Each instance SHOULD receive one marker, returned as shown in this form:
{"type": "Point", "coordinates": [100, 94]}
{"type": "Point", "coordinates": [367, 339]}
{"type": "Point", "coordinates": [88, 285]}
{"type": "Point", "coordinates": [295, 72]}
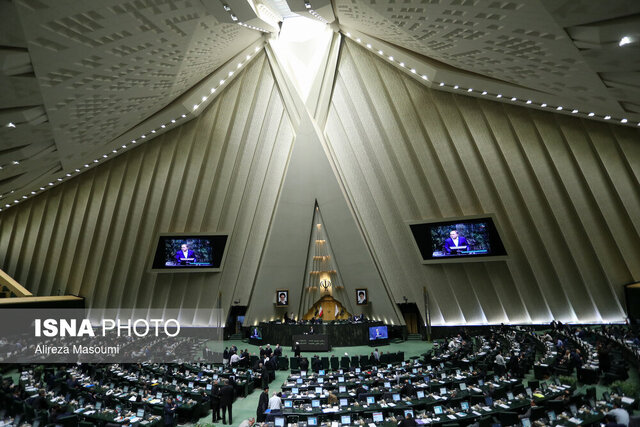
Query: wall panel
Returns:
{"type": "Point", "coordinates": [94, 235]}
{"type": "Point", "coordinates": [564, 190]}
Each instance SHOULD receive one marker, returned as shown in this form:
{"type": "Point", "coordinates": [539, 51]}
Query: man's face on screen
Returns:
{"type": "Point", "coordinates": [453, 234]}
{"type": "Point", "coordinates": [184, 248]}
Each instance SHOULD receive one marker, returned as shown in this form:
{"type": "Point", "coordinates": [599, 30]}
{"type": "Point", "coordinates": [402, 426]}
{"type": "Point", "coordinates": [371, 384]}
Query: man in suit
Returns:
{"type": "Point", "coordinates": [169, 412]}
{"type": "Point", "coordinates": [408, 421]}
{"type": "Point", "coordinates": [455, 241]}
{"type": "Point", "coordinates": [227, 394]}
{"type": "Point", "coordinates": [215, 402]}
{"type": "Point", "coordinates": [263, 405]}
{"type": "Point", "coordinates": [316, 363]}
{"type": "Point", "coordinates": [296, 350]}
{"type": "Point", "coordinates": [304, 364]}
{"type": "Point", "coordinates": [185, 252]}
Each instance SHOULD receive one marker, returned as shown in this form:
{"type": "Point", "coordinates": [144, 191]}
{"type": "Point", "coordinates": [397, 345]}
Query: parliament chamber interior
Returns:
{"type": "Point", "coordinates": [319, 213]}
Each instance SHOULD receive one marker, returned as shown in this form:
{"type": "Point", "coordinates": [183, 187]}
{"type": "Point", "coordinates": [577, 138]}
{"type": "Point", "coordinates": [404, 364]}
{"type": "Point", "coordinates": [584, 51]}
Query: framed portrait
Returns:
{"type": "Point", "coordinates": [362, 296]}
{"type": "Point", "coordinates": [282, 297]}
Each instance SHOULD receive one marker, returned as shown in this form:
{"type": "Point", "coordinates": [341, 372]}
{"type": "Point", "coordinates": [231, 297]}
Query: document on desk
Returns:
{"type": "Point", "coordinates": [627, 400]}
{"type": "Point", "coordinates": [502, 405]}
{"type": "Point", "coordinates": [453, 417]}
{"type": "Point", "coordinates": [575, 420]}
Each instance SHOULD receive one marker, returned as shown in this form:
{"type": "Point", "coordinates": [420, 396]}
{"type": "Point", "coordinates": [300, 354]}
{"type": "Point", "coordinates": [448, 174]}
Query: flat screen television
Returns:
{"type": "Point", "coordinates": [378, 333]}
{"type": "Point", "coordinates": [256, 333]}
{"type": "Point", "coordinates": [189, 252]}
{"type": "Point", "coordinates": [463, 239]}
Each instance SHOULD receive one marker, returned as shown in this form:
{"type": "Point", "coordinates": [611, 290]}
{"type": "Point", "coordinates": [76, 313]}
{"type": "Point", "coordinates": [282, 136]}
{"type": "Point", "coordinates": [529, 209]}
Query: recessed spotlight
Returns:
{"type": "Point", "coordinates": [592, 114]}
{"type": "Point", "coordinates": [230, 73]}
{"type": "Point", "coordinates": [543, 105]}
{"type": "Point", "coordinates": [623, 121]}
{"type": "Point", "coordinates": [24, 197]}
{"type": "Point", "coordinates": [153, 131]}
{"type": "Point", "coordinates": [15, 162]}
{"type": "Point", "coordinates": [96, 161]}
{"type": "Point", "coordinates": [33, 192]}
{"type": "Point", "coordinates": [42, 188]}
{"type": "Point", "coordinates": [11, 125]}
{"type": "Point", "coordinates": [77, 170]}
{"type": "Point", "coordinates": [402, 64]}
{"type": "Point", "coordinates": [104, 156]}
{"type": "Point", "coordinates": [441, 83]}
{"type": "Point", "coordinates": [368, 46]}
{"type": "Point", "coordinates": [348, 34]}
{"type": "Point", "coordinates": [248, 57]}
{"type": "Point", "coordinates": [574, 111]}
{"type": "Point", "coordinates": [204, 98]}
{"type": "Point", "coordinates": [257, 49]}
{"type": "Point", "coordinates": [358, 40]}
{"type": "Point", "coordinates": [499, 95]}
{"type": "Point", "coordinates": [239, 64]}
{"type": "Point", "coordinates": [413, 70]}
{"type": "Point", "coordinates": [607, 117]}
{"type": "Point", "coordinates": [424, 77]}
{"type": "Point", "coordinates": [195, 106]}
{"type": "Point", "coordinates": [163, 126]}
{"type": "Point", "coordinates": [484, 92]}
{"type": "Point", "coordinates": [559, 108]}
{"type": "Point", "coordinates": [114, 151]}
{"type": "Point", "coordinates": [380, 52]}
{"type": "Point", "coordinates": [469, 90]}
{"type": "Point", "coordinates": [221, 82]}
{"type": "Point", "coordinates": [86, 166]}
{"type": "Point", "coordinates": [68, 174]}
{"type": "Point", "coordinates": [391, 58]}
{"type": "Point", "coordinates": [514, 99]}
{"type": "Point", "coordinates": [625, 40]}
{"type": "Point", "coordinates": [173, 120]}
{"type": "Point", "coordinates": [183, 116]}
{"type": "Point", "coordinates": [528, 101]}
{"type": "Point", "coordinates": [456, 87]}
{"type": "Point", "coordinates": [143, 136]}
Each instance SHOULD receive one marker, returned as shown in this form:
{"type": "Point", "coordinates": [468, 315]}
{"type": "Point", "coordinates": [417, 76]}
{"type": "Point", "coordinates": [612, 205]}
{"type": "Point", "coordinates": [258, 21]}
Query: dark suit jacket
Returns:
{"type": "Point", "coordinates": [263, 403]}
{"type": "Point", "coordinates": [449, 243]}
{"type": "Point", "coordinates": [168, 414]}
{"type": "Point", "coordinates": [227, 394]}
{"type": "Point", "coordinates": [190, 254]}
{"type": "Point", "coordinates": [215, 396]}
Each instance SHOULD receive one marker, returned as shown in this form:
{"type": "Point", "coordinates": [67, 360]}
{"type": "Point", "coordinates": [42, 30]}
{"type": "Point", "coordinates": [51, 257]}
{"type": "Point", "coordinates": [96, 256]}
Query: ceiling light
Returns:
{"type": "Point", "coordinates": [402, 64]}
{"type": "Point", "coordinates": [163, 126]}
{"type": "Point", "coordinates": [234, 18]}
{"type": "Point", "coordinates": [456, 87]}
{"type": "Point", "coordinates": [221, 82]}
{"type": "Point", "coordinates": [484, 92]}
{"type": "Point", "coordinates": [226, 7]}
{"type": "Point", "coordinates": [441, 83]}
{"type": "Point", "coordinates": [195, 106]}
{"type": "Point", "coordinates": [574, 111]}
{"type": "Point", "coordinates": [15, 162]}
{"type": "Point", "coordinates": [607, 117]}
{"type": "Point", "coordinates": [413, 70]}
{"type": "Point", "coordinates": [368, 46]}
{"type": "Point", "coordinates": [559, 108]}
{"type": "Point", "coordinates": [380, 52]}
{"type": "Point", "coordinates": [358, 40]}
{"type": "Point", "coordinates": [592, 114]}
{"type": "Point", "coordinates": [86, 166]}
{"type": "Point", "coordinates": [257, 48]}
{"type": "Point", "coordinates": [24, 197]}
{"type": "Point", "coordinates": [543, 105]}
{"type": "Point", "coordinates": [143, 136]}
{"type": "Point", "coordinates": [625, 40]}
{"type": "Point", "coordinates": [230, 73]}
{"type": "Point", "coordinates": [469, 90]}
{"type": "Point", "coordinates": [307, 5]}
{"type": "Point", "coordinates": [204, 98]}
{"type": "Point", "coordinates": [33, 192]}
{"type": "Point", "coordinates": [239, 64]}
{"type": "Point", "coordinates": [42, 188]}
{"type": "Point", "coordinates": [114, 151]}
{"type": "Point", "coordinates": [499, 95]}
{"type": "Point", "coordinates": [528, 101]}
{"type": "Point", "coordinates": [424, 77]}
{"type": "Point", "coordinates": [514, 99]}
{"type": "Point", "coordinates": [184, 115]}
{"type": "Point", "coordinates": [104, 155]}
{"type": "Point", "coordinates": [391, 58]}
{"type": "Point", "coordinates": [348, 34]}
{"type": "Point", "coordinates": [174, 120]}
{"type": "Point", "coordinates": [68, 174]}
{"type": "Point", "coordinates": [77, 170]}
{"type": "Point", "coordinates": [11, 125]}
{"type": "Point", "coordinates": [153, 131]}
{"type": "Point", "coordinates": [623, 121]}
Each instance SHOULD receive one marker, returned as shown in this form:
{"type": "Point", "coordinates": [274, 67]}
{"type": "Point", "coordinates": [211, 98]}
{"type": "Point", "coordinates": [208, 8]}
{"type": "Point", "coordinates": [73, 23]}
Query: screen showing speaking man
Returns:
{"type": "Point", "coordinates": [464, 238]}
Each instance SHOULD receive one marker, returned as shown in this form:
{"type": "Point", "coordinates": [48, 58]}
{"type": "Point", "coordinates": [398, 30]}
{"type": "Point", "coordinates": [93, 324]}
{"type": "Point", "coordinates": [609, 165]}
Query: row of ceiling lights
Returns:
{"type": "Point", "coordinates": [484, 92]}
{"type": "Point", "coordinates": [124, 146]}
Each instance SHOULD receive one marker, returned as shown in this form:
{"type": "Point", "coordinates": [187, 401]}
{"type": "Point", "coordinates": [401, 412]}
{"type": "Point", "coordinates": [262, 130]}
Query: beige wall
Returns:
{"type": "Point", "coordinates": [94, 235]}
{"type": "Point", "coordinates": [565, 192]}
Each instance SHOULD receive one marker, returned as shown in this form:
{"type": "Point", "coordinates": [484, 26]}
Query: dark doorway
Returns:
{"type": "Point", "coordinates": [412, 318]}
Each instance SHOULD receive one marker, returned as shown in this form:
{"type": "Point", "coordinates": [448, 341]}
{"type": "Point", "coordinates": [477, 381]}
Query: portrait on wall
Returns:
{"type": "Point", "coordinates": [362, 296]}
{"type": "Point", "coordinates": [282, 297]}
